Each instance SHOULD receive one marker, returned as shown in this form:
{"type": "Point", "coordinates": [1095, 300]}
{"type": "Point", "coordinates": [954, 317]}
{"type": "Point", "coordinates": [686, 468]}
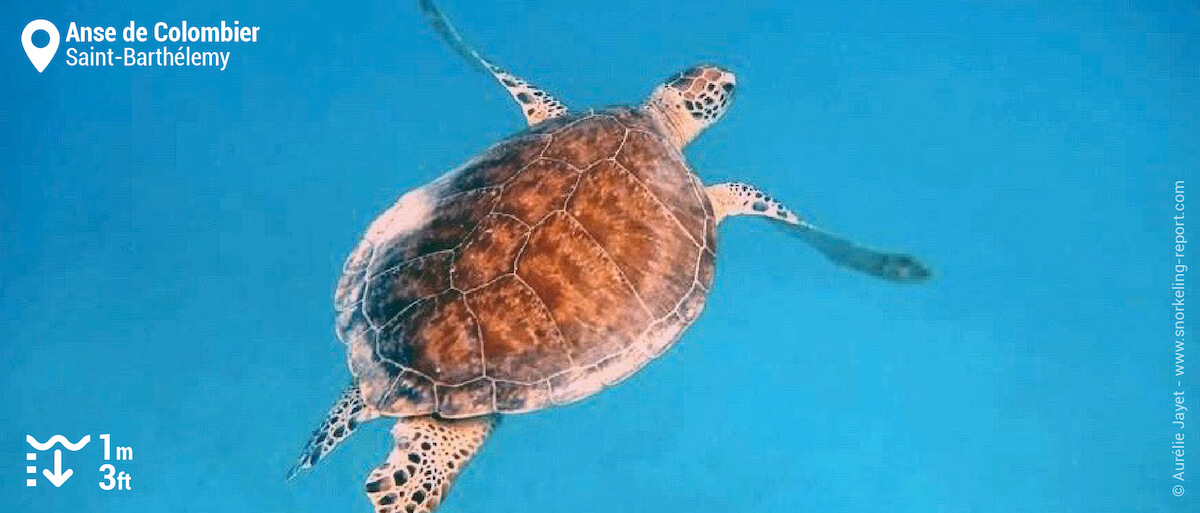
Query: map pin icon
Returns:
{"type": "Point", "coordinates": [40, 57]}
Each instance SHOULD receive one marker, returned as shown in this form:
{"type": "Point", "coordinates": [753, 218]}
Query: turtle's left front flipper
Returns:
{"type": "Point", "coordinates": [734, 199]}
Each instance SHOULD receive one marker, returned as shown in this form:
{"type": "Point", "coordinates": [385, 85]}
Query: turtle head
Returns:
{"type": "Point", "coordinates": [690, 101]}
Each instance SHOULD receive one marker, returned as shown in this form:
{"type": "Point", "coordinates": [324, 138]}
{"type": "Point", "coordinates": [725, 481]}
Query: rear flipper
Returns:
{"type": "Point", "coordinates": [429, 453]}
{"type": "Point", "coordinates": [345, 416]}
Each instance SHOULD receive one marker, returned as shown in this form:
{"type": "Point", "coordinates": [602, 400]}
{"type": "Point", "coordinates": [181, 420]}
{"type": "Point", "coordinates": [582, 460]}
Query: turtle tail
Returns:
{"type": "Point", "coordinates": [347, 413]}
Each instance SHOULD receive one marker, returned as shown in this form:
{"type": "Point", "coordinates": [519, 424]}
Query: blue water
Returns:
{"type": "Point", "coordinates": [170, 238]}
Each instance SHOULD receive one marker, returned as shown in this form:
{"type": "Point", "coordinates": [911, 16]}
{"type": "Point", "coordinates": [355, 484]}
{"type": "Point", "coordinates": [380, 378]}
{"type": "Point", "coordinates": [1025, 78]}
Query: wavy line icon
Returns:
{"type": "Point", "coordinates": [58, 439]}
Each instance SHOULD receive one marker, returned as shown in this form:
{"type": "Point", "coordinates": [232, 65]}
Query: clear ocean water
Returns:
{"type": "Point", "coordinates": [170, 238]}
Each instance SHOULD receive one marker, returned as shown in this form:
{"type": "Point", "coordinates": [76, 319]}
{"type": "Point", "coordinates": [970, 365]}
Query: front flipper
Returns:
{"type": "Point", "coordinates": [428, 455]}
{"type": "Point", "coordinates": [734, 199]}
{"type": "Point", "coordinates": [345, 416]}
{"type": "Point", "coordinates": [536, 104]}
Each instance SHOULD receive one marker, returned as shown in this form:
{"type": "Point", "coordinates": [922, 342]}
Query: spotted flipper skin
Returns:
{"type": "Point", "coordinates": [427, 456]}
{"type": "Point", "coordinates": [738, 199]}
{"type": "Point", "coordinates": [345, 416]}
{"type": "Point", "coordinates": [536, 104]}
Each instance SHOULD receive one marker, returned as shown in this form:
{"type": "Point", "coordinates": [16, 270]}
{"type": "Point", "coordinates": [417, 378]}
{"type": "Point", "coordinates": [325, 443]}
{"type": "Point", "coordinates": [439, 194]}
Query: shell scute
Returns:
{"type": "Point", "coordinates": [490, 252]}
{"type": "Point", "coordinates": [629, 223]}
{"type": "Point", "coordinates": [585, 142]}
{"type": "Point", "coordinates": [406, 391]}
{"type": "Point", "coordinates": [395, 289]}
{"type": "Point", "coordinates": [498, 164]}
{"type": "Point", "coordinates": [526, 347]}
{"type": "Point", "coordinates": [588, 298]}
{"type": "Point", "coordinates": [645, 157]}
{"type": "Point", "coordinates": [537, 190]}
{"type": "Point", "coordinates": [450, 220]}
{"type": "Point", "coordinates": [467, 399]}
{"type": "Point", "coordinates": [514, 397]}
{"type": "Point", "coordinates": [438, 337]}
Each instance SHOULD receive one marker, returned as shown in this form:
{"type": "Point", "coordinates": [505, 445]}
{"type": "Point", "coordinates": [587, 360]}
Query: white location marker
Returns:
{"type": "Point", "coordinates": [40, 57]}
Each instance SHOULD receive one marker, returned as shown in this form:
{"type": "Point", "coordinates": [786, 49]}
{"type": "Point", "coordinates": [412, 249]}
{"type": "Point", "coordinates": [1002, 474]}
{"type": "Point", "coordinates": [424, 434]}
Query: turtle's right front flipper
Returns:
{"type": "Point", "coordinates": [536, 104]}
{"type": "Point", "coordinates": [734, 199]}
{"type": "Point", "coordinates": [345, 416]}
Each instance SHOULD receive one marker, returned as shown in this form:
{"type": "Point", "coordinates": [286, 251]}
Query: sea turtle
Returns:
{"type": "Point", "coordinates": [552, 265]}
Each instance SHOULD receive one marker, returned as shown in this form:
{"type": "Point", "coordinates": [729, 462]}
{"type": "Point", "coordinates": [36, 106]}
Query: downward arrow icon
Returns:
{"type": "Point", "coordinates": [58, 477]}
